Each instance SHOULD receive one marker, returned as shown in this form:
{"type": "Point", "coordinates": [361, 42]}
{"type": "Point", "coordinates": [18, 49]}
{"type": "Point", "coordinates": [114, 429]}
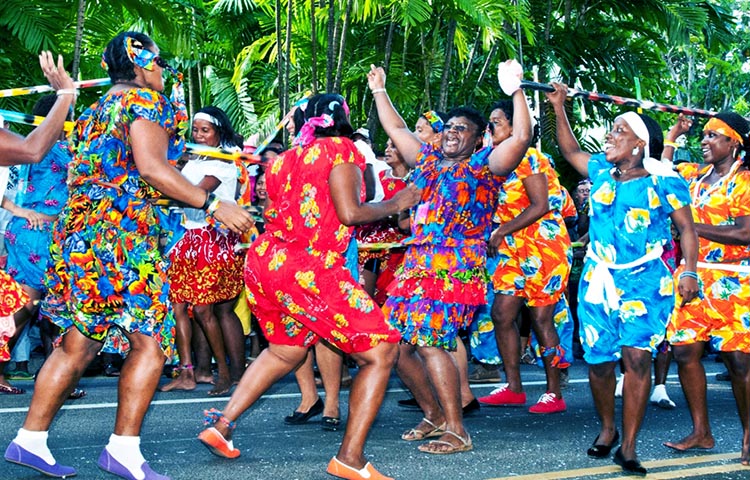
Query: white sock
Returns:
{"type": "Point", "coordinates": [36, 443]}
{"type": "Point", "coordinates": [660, 393]}
{"type": "Point", "coordinates": [127, 451]}
{"type": "Point", "coordinates": [620, 383]}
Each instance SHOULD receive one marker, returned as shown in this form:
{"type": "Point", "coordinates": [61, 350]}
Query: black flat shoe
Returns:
{"type": "Point", "coordinates": [471, 407]}
{"type": "Point", "coordinates": [330, 424]}
{"type": "Point", "coordinates": [633, 467]}
{"type": "Point", "coordinates": [409, 404]}
{"type": "Point", "coordinates": [602, 451]}
{"type": "Point", "coordinates": [298, 418]}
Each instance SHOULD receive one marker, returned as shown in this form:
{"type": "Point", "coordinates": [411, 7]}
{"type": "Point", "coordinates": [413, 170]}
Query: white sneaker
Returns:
{"type": "Point", "coordinates": [618, 388]}
{"type": "Point", "coordinates": [661, 399]}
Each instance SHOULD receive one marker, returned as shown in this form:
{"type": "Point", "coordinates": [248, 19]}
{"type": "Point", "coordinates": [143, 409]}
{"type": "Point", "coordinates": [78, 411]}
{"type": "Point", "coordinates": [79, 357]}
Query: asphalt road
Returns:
{"type": "Point", "coordinates": [508, 442]}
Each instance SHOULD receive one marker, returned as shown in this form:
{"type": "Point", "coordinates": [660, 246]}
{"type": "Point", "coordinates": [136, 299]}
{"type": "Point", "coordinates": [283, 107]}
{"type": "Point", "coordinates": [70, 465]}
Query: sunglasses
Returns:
{"type": "Point", "coordinates": [160, 62]}
{"type": "Point", "coordinates": [459, 128]}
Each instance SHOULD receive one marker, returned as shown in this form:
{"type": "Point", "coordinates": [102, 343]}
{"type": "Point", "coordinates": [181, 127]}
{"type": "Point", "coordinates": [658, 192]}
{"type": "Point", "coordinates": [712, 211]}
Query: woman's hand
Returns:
{"type": "Point", "coordinates": [688, 288]}
{"type": "Point", "coordinates": [35, 219]}
{"type": "Point", "coordinates": [509, 76]}
{"type": "Point", "coordinates": [681, 127]}
{"type": "Point", "coordinates": [234, 217]}
{"type": "Point", "coordinates": [408, 197]}
{"type": "Point", "coordinates": [376, 78]}
{"type": "Point", "coordinates": [495, 240]}
{"type": "Point", "coordinates": [56, 74]}
{"type": "Point", "coordinates": [557, 98]}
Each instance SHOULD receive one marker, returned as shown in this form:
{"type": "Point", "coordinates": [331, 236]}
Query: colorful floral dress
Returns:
{"type": "Point", "coordinates": [108, 268]}
{"type": "Point", "coordinates": [43, 188]}
{"type": "Point", "coordinates": [295, 273]}
{"type": "Point", "coordinates": [205, 269]}
{"type": "Point", "coordinates": [626, 292]}
{"type": "Point", "coordinates": [444, 278]}
{"type": "Point", "coordinates": [533, 262]}
{"type": "Point", "coordinates": [12, 299]}
{"type": "Point", "coordinates": [383, 231]}
{"type": "Point", "coordinates": [722, 315]}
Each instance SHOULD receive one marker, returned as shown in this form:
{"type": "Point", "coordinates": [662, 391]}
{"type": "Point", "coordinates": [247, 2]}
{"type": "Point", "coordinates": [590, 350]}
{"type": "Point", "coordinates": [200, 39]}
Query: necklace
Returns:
{"type": "Point", "coordinates": [618, 172]}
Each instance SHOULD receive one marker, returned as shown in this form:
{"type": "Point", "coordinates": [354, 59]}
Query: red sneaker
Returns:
{"type": "Point", "coordinates": [549, 403]}
{"type": "Point", "coordinates": [503, 396]}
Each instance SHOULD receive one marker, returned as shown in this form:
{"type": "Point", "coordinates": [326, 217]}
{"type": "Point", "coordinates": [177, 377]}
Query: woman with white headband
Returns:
{"type": "Point", "coordinates": [205, 271]}
{"type": "Point", "coordinates": [720, 192]}
{"type": "Point", "coordinates": [626, 291]}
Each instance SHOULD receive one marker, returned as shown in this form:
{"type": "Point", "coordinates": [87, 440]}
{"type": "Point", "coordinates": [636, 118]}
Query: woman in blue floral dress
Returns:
{"type": "Point", "coordinates": [626, 290]}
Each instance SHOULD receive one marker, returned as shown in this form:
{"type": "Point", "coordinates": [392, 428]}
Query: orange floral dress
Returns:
{"type": "Point", "coordinates": [722, 315]}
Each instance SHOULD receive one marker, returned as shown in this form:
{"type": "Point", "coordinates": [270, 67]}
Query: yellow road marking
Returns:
{"type": "Point", "coordinates": [689, 472]}
{"type": "Point", "coordinates": [673, 462]}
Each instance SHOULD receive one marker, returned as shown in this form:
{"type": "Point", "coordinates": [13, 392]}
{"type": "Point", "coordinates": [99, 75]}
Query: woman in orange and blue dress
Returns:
{"type": "Point", "coordinates": [299, 286]}
{"type": "Point", "coordinates": [720, 190]}
{"type": "Point", "coordinates": [533, 250]}
{"type": "Point", "coordinates": [109, 272]}
{"type": "Point", "coordinates": [444, 279]}
{"type": "Point", "coordinates": [626, 290]}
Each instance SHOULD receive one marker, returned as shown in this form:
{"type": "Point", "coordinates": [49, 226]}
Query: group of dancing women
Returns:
{"type": "Point", "coordinates": [485, 216]}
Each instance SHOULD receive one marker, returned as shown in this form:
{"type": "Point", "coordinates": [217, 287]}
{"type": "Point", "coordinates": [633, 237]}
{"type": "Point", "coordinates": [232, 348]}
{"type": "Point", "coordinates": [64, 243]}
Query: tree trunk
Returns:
{"type": "Point", "coordinates": [331, 44]}
{"type": "Point", "coordinates": [313, 48]}
{"type": "Point", "coordinates": [444, 82]}
{"type": "Point", "coordinates": [279, 58]}
{"type": "Point", "coordinates": [427, 70]}
{"type": "Point", "coordinates": [342, 46]}
{"type": "Point", "coordinates": [79, 38]}
{"type": "Point", "coordinates": [372, 122]}
{"type": "Point", "coordinates": [288, 56]}
{"type": "Point", "coordinates": [482, 74]}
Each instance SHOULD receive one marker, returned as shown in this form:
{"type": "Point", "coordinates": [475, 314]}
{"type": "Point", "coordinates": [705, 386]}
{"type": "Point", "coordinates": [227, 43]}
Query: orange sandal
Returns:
{"type": "Point", "coordinates": [342, 470]}
{"type": "Point", "coordinates": [215, 441]}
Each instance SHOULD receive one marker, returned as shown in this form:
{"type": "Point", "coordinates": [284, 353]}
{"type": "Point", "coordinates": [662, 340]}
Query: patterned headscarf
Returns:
{"type": "Point", "coordinates": [435, 121]}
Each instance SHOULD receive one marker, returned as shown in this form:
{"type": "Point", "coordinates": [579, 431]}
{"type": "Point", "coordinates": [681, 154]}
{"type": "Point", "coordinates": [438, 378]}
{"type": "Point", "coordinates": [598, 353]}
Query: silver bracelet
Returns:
{"type": "Point", "coordinates": [377, 90]}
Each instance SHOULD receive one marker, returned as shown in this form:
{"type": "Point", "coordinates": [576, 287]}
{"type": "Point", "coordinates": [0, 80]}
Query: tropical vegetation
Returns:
{"type": "Point", "coordinates": [254, 58]}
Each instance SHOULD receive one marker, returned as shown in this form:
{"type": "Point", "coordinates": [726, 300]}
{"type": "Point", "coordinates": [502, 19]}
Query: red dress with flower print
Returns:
{"type": "Point", "coordinates": [297, 281]}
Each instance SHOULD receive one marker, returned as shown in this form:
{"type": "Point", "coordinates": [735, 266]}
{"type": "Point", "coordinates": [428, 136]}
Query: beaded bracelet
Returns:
{"type": "Point", "coordinates": [377, 90]}
{"type": "Point", "coordinates": [214, 205]}
{"type": "Point", "coordinates": [214, 416]}
{"type": "Point", "coordinates": [688, 274]}
{"type": "Point", "coordinates": [67, 91]}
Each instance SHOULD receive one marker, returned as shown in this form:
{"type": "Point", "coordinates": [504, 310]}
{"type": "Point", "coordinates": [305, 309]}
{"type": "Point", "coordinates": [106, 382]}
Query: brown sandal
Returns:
{"type": "Point", "coordinates": [415, 434]}
{"type": "Point", "coordinates": [435, 446]}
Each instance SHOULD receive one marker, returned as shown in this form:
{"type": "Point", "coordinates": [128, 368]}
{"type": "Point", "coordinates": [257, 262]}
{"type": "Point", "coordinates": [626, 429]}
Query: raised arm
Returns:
{"type": "Point", "coordinates": [508, 154]}
{"type": "Point", "coordinates": [403, 138]}
{"type": "Point", "coordinates": [15, 149]}
{"type": "Point", "coordinates": [681, 127]}
{"type": "Point", "coordinates": [566, 141]}
{"type": "Point", "coordinates": [149, 143]}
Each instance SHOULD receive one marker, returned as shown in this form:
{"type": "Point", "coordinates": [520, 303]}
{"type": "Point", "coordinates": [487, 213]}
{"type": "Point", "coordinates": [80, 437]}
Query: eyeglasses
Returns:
{"type": "Point", "coordinates": [160, 62]}
{"type": "Point", "coordinates": [459, 128]}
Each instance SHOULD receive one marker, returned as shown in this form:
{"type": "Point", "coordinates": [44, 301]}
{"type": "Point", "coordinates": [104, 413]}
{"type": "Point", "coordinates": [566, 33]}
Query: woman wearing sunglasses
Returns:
{"type": "Point", "coordinates": [110, 283]}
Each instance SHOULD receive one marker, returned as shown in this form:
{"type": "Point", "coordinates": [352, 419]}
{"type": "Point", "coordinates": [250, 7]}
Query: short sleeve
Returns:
{"type": "Point", "coordinates": [147, 104]}
{"type": "Point", "coordinates": [341, 150]}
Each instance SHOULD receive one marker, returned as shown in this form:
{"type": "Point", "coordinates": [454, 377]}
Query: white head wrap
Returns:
{"type": "Point", "coordinates": [206, 117]}
{"type": "Point", "coordinates": [652, 166]}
